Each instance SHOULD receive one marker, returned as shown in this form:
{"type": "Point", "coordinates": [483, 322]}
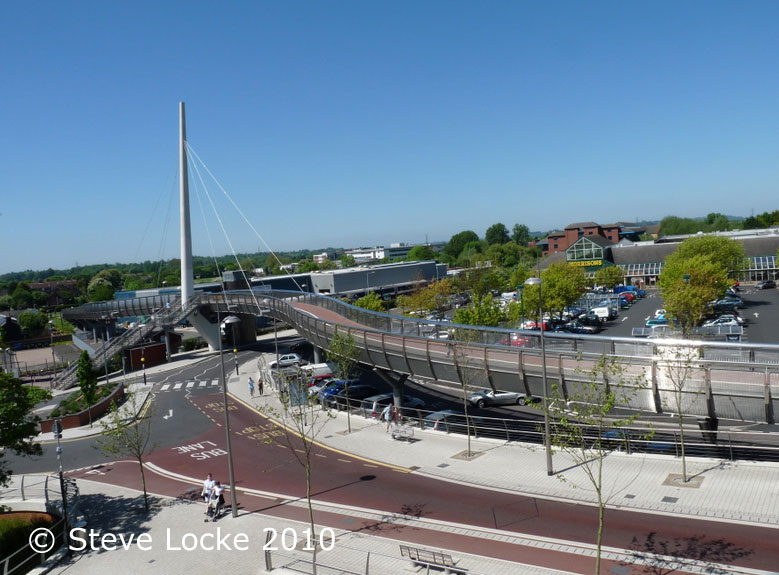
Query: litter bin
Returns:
{"type": "Point", "coordinates": [708, 427]}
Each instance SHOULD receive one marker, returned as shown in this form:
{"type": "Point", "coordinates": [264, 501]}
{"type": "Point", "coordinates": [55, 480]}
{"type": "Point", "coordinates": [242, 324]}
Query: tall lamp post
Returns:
{"type": "Point", "coordinates": [53, 357]}
{"type": "Point", "coordinates": [230, 319]}
{"type": "Point", "coordinates": [547, 438]}
{"type": "Point", "coordinates": [143, 368]}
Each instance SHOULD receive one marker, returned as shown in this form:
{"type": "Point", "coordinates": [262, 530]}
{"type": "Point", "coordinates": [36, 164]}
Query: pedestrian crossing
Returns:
{"type": "Point", "coordinates": [192, 384]}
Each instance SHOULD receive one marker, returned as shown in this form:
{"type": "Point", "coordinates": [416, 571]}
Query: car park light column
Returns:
{"type": "Point", "coordinates": [547, 437]}
{"type": "Point", "coordinates": [230, 319]}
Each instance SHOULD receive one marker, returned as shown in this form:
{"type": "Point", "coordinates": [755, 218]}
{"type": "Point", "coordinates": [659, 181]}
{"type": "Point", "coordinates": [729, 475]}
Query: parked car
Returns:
{"type": "Point", "coordinates": [286, 360]}
{"type": "Point", "coordinates": [735, 301]}
{"type": "Point", "coordinates": [373, 406]}
{"type": "Point", "coordinates": [350, 396]}
{"type": "Point", "coordinates": [333, 388]}
{"type": "Point", "coordinates": [320, 385]}
{"type": "Point", "coordinates": [577, 326]}
{"type": "Point", "coordinates": [655, 321]}
{"type": "Point", "coordinates": [487, 397]}
{"type": "Point", "coordinates": [447, 420]}
{"type": "Point", "coordinates": [722, 321]}
{"type": "Point", "coordinates": [766, 284]}
{"type": "Point", "coordinates": [589, 319]}
{"type": "Point", "coordinates": [517, 340]}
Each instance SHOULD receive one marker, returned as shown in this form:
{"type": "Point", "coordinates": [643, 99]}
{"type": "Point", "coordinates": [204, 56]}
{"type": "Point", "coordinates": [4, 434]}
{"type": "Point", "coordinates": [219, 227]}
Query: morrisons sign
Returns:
{"type": "Point", "coordinates": [586, 263]}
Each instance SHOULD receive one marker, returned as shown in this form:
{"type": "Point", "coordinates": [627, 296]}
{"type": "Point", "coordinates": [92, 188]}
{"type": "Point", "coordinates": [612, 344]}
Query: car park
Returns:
{"type": "Point", "coordinates": [487, 397]}
{"type": "Point", "coordinates": [286, 360]}
{"type": "Point", "coordinates": [766, 284]}
{"type": "Point", "coordinates": [373, 406]}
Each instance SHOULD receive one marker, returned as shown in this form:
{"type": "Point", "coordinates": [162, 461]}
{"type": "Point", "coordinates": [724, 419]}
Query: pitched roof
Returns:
{"type": "Point", "coordinates": [578, 225]}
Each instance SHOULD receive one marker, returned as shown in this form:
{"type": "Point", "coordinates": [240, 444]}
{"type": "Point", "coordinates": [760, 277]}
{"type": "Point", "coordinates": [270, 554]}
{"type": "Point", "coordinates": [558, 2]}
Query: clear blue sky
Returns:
{"type": "Point", "coordinates": [353, 123]}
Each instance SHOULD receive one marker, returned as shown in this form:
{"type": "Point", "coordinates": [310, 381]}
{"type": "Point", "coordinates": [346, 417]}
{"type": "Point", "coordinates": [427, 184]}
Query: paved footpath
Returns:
{"type": "Point", "coordinates": [727, 491]}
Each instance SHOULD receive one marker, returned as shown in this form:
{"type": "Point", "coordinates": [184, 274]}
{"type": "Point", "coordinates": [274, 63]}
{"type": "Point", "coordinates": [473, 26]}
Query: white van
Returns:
{"type": "Point", "coordinates": [317, 371]}
{"type": "Point", "coordinates": [604, 312]}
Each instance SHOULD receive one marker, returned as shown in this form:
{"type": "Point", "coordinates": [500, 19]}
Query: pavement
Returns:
{"type": "Point", "coordinates": [735, 492]}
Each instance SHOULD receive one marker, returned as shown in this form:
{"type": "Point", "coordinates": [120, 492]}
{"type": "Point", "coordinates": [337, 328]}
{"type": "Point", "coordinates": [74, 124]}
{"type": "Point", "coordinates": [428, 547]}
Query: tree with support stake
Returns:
{"type": "Point", "coordinates": [589, 429]}
{"type": "Point", "coordinates": [129, 436]}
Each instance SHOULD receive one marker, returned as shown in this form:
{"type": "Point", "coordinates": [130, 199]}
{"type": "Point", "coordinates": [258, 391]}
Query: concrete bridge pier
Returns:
{"type": "Point", "coordinates": [395, 383]}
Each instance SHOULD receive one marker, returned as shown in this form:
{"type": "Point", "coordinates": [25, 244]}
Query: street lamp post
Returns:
{"type": "Point", "coordinates": [53, 357]}
{"type": "Point", "coordinates": [367, 278]}
{"type": "Point", "coordinates": [547, 437]}
{"type": "Point", "coordinates": [521, 306]}
{"type": "Point", "coordinates": [230, 319]}
{"type": "Point", "coordinates": [143, 367]}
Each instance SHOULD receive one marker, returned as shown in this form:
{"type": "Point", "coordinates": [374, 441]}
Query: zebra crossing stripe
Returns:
{"type": "Point", "coordinates": [178, 386]}
{"type": "Point", "coordinates": [190, 384]}
{"type": "Point", "coordinates": [165, 387]}
{"type": "Point", "coordinates": [202, 384]}
{"type": "Point", "coordinates": [214, 382]}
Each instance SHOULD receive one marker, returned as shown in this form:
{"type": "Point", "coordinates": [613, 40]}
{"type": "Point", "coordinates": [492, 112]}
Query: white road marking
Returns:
{"type": "Point", "coordinates": [178, 386]}
{"type": "Point", "coordinates": [190, 384]}
{"type": "Point", "coordinates": [170, 414]}
{"type": "Point", "coordinates": [165, 387]}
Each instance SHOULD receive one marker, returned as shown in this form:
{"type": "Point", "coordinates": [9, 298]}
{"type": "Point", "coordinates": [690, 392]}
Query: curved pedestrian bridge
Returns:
{"type": "Point", "coordinates": [707, 379]}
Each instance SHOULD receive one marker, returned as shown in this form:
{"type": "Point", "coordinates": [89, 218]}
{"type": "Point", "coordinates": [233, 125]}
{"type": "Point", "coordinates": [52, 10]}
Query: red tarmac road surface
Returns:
{"type": "Point", "coordinates": [264, 460]}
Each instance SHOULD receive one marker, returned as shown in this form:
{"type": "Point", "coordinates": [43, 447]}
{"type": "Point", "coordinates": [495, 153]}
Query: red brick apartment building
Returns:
{"type": "Point", "coordinates": [559, 241]}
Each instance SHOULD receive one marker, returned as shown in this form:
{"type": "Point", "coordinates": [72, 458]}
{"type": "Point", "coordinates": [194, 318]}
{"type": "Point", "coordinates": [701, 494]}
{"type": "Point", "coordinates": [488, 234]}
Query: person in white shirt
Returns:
{"type": "Point", "coordinates": [208, 489]}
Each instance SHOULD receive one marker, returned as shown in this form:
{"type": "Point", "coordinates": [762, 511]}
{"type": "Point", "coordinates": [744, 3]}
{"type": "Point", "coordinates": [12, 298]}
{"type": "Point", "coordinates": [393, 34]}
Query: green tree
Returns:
{"type": "Point", "coordinates": [33, 321]}
{"type": "Point", "coordinates": [421, 253]}
{"type": "Point", "coordinates": [372, 301]}
{"type": "Point", "coordinates": [497, 234]}
{"type": "Point", "coordinates": [123, 437]}
{"type": "Point", "coordinates": [609, 276]}
{"type": "Point", "coordinates": [113, 276]}
{"type": "Point", "coordinates": [458, 242]}
{"type": "Point", "coordinates": [87, 380]}
{"type": "Point", "coordinates": [727, 253]}
{"type": "Point", "coordinates": [21, 297]}
{"type": "Point", "coordinates": [520, 234]}
{"type": "Point", "coordinates": [100, 289]}
{"type": "Point", "coordinates": [679, 371]}
{"type": "Point", "coordinates": [482, 311]}
{"type": "Point", "coordinates": [562, 285]}
{"type": "Point", "coordinates": [595, 429]}
{"type": "Point", "coordinates": [18, 425]}
{"type": "Point", "coordinates": [346, 356]}
{"type": "Point", "coordinates": [348, 261]}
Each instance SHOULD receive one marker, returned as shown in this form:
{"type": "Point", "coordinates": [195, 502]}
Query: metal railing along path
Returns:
{"type": "Point", "coordinates": [723, 380]}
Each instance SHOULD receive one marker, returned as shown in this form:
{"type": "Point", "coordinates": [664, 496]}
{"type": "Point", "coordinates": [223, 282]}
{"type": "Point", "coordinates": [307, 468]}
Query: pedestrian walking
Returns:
{"type": "Point", "coordinates": [208, 489]}
{"type": "Point", "coordinates": [386, 415]}
{"type": "Point", "coordinates": [260, 385]}
{"type": "Point", "coordinates": [395, 416]}
{"type": "Point", "coordinates": [251, 387]}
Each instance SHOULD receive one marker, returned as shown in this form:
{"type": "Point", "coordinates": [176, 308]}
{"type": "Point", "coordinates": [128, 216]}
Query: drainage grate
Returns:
{"type": "Point", "coordinates": [630, 496]}
{"type": "Point", "coordinates": [670, 499]}
{"type": "Point", "coordinates": [442, 465]}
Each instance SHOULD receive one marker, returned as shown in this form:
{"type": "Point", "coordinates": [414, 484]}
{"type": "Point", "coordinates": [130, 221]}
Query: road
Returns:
{"type": "Point", "coordinates": [188, 427]}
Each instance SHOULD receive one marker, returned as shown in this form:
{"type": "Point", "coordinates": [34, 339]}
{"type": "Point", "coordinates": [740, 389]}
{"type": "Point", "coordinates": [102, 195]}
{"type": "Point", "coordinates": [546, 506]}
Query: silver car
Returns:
{"type": "Point", "coordinates": [487, 397]}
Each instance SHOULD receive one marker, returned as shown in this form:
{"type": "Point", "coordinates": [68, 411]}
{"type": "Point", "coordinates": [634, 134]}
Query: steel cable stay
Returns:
{"type": "Point", "coordinates": [197, 160]}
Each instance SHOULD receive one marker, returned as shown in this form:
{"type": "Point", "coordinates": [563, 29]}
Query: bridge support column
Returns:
{"type": "Point", "coordinates": [396, 385]}
{"type": "Point", "coordinates": [168, 353]}
{"type": "Point", "coordinates": [769, 404]}
{"type": "Point", "coordinates": [317, 355]}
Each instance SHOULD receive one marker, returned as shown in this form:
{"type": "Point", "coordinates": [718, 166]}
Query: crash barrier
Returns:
{"type": "Point", "coordinates": [720, 379]}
